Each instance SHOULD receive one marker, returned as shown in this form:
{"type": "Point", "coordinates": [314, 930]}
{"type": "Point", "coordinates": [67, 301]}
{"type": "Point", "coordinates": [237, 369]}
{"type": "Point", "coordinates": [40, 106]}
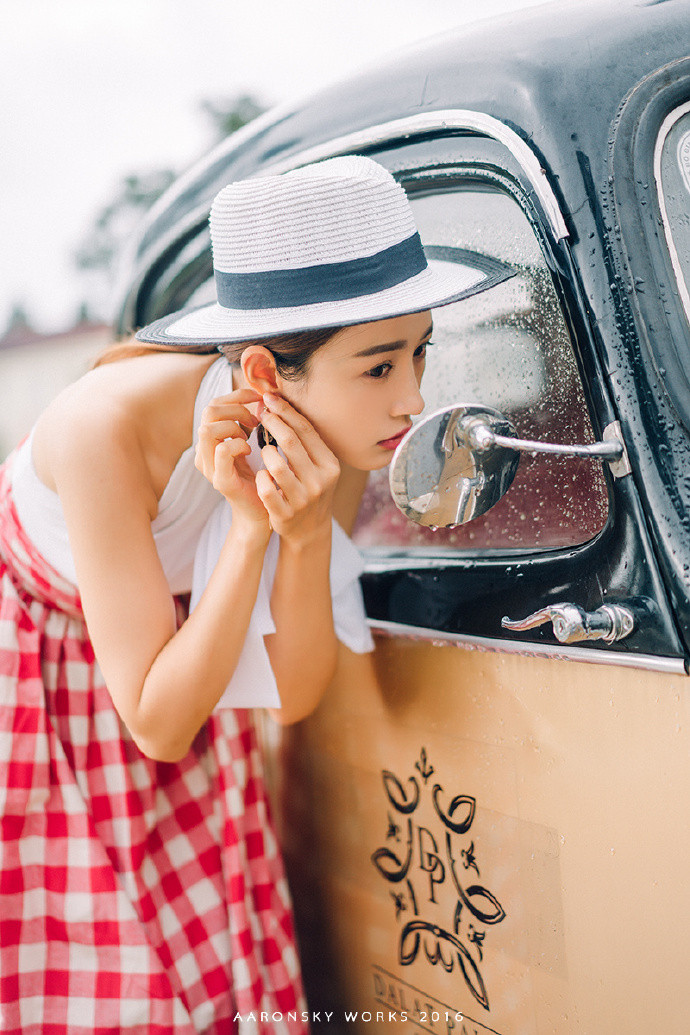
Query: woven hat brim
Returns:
{"type": "Point", "coordinates": [452, 275]}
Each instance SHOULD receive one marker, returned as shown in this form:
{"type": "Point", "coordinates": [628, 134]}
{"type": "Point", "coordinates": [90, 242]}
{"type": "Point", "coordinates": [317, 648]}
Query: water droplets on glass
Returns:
{"type": "Point", "coordinates": [510, 349]}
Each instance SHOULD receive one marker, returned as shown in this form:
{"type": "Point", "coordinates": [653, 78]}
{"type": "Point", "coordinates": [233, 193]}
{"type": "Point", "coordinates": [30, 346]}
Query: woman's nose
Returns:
{"type": "Point", "coordinates": [410, 401]}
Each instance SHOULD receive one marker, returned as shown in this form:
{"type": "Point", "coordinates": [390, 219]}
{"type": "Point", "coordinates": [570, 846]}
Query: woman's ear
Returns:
{"type": "Point", "coordinates": [259, 369]}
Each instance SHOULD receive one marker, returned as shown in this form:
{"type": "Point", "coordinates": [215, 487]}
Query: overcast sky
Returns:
{"type": "Point", "coordinates": [95, 89]}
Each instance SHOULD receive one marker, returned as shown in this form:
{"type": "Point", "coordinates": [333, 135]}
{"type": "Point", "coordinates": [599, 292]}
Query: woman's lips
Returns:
{"type": "Point", "coordinates": [395, 440]}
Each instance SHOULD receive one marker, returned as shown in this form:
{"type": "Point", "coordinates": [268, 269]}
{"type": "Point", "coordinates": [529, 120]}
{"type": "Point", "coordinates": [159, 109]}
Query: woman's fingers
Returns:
{"type": "Point", "coordinates": [225, 417]}
{"type": "Point", "coordinates": [240, 395]}
{"type": "Point", "coordinates": [299, 480]}
{"type": "Point", "coordinates": [234, 479]}
{"type": "Point", "coordinates": [296, 487]}
{"type": "Point", "coordinates": [227, 454]}
{"type": "Point", "coordinates": [281, 473]}
{"type": "Point", "coordinates": [304, 431]}
{"type": "Point", "coordinates": [220, 410]}
{"type": "Point", "coordinates": [272, 498]}
{"type": "Point", "coordinates": [307, 454]}
{"type": "Point", "coordinates": [219, 430]}
{"type": "Point", "coordinates": [211, 436]}
{"type": "Point", "coordinates": [287, 439]}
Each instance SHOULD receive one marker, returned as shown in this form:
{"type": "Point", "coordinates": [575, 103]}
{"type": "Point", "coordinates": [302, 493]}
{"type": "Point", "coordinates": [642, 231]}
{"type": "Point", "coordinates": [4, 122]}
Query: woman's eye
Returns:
{"type": "Point", "coordinates": [420, 351]}
{"type": "Point", "coordinates": [380, 371]}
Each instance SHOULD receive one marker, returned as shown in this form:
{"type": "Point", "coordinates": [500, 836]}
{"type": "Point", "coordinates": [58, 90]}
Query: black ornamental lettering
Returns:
{"type": "Point", "coordinates": [428, 864]}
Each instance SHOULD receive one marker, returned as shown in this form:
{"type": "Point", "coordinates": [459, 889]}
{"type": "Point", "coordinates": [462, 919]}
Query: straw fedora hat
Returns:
{"type": "Point", "coordinates": [326, 245]}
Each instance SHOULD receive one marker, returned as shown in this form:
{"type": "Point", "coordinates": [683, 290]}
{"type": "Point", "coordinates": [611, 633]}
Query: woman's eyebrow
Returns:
{"type": "Point", "coordinates": [389, 346]}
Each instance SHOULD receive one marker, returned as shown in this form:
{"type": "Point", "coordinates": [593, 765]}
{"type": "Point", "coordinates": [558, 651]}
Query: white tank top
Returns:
{"type": "Point", "coordinates": [189, 530]}
{"type": "Point", "coordinates": [187, 502]}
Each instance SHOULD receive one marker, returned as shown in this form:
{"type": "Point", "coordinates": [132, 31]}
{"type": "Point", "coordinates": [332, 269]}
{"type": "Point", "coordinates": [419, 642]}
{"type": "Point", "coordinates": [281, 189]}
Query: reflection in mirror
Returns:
{"type": "Point", "coordinates": [439, 480]}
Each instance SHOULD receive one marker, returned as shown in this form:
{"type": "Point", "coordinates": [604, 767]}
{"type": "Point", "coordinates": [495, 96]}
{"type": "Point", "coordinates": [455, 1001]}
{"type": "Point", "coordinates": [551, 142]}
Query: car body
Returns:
{"type": "Point", "coordinates": [485, 828]}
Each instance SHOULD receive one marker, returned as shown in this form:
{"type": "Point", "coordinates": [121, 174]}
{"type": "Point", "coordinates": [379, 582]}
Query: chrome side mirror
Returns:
{"type": "Point", "coordinates": [456, 463]}
{"type": "Point", "coordinates": [437, 476]}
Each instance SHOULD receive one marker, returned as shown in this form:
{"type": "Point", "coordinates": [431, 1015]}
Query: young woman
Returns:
{"type": "Point", "coordinates": [141, 887]}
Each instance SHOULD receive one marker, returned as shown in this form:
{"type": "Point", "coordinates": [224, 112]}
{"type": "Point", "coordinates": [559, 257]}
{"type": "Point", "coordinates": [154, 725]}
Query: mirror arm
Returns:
{"type": "Point", "coordinates": [458, 462]}
{"type": "Point", "coordinates": [481, 437]}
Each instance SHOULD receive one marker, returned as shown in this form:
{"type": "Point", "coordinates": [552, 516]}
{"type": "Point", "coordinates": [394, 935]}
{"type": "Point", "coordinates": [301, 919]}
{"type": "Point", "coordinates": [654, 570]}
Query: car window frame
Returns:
{"type": "Point", "coordinates": [620, 560]}
{"type": "Point", "coordinates": [660, 319]}
{"type": "Point", "coordinates": [545, 571]}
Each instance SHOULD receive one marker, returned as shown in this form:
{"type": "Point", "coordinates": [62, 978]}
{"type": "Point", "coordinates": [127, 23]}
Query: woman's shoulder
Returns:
{"type": "Point", "coordinates": [139, 408]}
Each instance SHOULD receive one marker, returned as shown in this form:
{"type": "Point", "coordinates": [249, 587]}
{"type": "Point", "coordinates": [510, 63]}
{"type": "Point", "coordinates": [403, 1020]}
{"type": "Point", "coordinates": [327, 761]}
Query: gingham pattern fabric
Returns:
{"type": "Point", "coordinates": [135, 896]}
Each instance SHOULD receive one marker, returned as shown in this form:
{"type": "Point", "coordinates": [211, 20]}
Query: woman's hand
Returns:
{"type": "Point", "coordinates": [297, 488]}
{"type": "Point", "coordinates": [222, 451]}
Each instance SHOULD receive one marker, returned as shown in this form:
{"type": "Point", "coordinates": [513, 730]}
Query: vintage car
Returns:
{"type": "Point", "coordinates": [487, 826]}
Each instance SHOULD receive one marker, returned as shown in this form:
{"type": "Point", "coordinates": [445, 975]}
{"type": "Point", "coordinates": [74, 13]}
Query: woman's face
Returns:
{"type": "Point", "coordinates": [362, 388]}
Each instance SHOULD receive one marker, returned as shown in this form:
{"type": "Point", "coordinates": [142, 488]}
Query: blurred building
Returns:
{"type": "Point", "coordinates": [34, 367]}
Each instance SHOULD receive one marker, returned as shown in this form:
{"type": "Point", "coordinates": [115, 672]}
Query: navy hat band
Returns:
{"type": "Point", "coordinates": [329, 282]}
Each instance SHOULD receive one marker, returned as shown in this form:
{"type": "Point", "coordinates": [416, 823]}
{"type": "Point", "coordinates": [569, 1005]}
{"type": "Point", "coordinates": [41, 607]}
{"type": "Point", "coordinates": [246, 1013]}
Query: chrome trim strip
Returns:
{"type": "Point", "coordinates": [666, 127]}
{"type": "Point", "coordinates": [650, 662]}
{"type": "Point", "coordinates": [400, 561]}
{"type": "Point", "coordinates": [448, 118]}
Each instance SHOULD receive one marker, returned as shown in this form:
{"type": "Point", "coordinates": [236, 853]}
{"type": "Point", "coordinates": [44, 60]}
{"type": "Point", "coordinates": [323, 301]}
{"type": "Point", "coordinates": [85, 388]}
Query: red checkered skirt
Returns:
{"type": "Point", "coordinates": [134, 895]}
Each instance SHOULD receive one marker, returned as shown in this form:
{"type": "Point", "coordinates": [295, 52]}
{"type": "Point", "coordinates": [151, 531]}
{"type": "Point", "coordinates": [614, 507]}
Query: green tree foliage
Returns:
{"type": "Point", "coordinates": [18, 326]}
{"type": "Point", "coordinates": [229, 115]}
{"type": "Point", "coordinates": [18, 319]}
{"type": "Point", "coordinates": [136, 193]}
{"type": "Point", "coordinates": [116, 220]}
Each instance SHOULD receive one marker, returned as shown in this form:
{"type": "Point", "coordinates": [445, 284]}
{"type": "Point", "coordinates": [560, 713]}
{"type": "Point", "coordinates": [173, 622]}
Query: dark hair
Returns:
{"type": "Point", "coordinates": [292, 352]}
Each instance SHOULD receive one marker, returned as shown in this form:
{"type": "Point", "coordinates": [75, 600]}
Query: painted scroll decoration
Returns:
{"type": "Point", "coordinates": [419, 861]}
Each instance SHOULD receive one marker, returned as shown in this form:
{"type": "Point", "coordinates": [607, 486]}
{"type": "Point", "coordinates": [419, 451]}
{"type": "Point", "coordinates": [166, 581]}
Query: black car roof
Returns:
{"type": "Point", "coordinates": [556, 73]}
{"type": "Point", "coordinates": [547, 71]}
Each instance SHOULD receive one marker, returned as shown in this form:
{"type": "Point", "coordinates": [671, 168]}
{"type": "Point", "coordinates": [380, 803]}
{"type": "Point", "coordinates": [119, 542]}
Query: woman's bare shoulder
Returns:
{"type": "Point", "coordinates": [140, 409]}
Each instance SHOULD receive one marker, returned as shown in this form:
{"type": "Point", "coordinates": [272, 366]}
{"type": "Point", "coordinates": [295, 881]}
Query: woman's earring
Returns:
{"type": "Point", "coordinates": [264, 437]}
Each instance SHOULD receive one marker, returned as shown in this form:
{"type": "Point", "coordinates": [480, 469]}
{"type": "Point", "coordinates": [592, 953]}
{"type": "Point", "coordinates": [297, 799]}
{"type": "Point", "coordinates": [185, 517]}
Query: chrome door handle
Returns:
{"type": "Point", "coordinates": [572, 624]}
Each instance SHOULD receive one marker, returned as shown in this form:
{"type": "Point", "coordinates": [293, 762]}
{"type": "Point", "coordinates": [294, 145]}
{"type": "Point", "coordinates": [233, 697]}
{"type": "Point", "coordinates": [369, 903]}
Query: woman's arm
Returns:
{"type": "Point", "coordinates": [164, 683]}
{"type": "Point", "coordinates": [298, 491]}
{"type": "Point", "coordinates": [303, 650]}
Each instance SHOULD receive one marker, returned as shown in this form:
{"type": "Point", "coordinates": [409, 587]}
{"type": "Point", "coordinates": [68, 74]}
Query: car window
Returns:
{"type": "Point", "coordinates": [509, 348]}
{"type": "Point", "coordinates": [672, 174]}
